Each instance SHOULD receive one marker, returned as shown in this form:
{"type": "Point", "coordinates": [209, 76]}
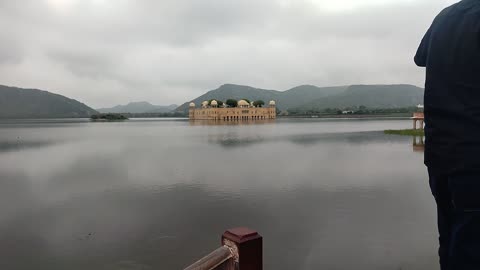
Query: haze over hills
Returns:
{"type": "Point", "coordinates": [233, 91]}
{"type": "Point", "coordinates": [372, 96]}
{"type": "Point", "coordinates": [32, 103]}
{"type": "Point", "coordinates": [139, 107]}
{"type": "Point", "coordinates": [287, 99]}
{"type": "Point", "coordinates": [309, 97]}
{"type": "Point", "coordinates": [300, 95]}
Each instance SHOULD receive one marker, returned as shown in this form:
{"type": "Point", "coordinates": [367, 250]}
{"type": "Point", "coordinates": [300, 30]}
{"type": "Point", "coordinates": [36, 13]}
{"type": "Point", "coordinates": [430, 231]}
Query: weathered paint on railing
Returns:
{"type": "Point", "coordinates": [242, 249]}
{"type": "Point", "coordinates": [219, 259]}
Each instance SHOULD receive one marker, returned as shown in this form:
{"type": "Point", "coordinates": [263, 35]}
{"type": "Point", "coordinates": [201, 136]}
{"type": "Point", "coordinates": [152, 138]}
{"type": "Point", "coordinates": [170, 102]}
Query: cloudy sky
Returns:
{"type": "Point", "coordinates": [108, 52]}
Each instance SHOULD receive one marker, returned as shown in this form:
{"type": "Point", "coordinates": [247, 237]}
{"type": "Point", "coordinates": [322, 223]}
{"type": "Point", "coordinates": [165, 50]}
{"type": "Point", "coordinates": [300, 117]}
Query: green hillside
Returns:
{"type": "Point", "coordinates": [227, 91]}
{"type": "Point", "coordinates": [138, 107]}
{"type": "Point", "coordinates": [285, 100]}
{"type": "Point", "coordinates": [309, 97]}
{"type": "Point", "coordinates": [32, 103]}
{"type": "Point", "coordinates": [371, 96]}
{"type": "Point", "coordinates": [300, 95]}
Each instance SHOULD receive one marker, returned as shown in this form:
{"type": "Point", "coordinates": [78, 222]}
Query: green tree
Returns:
{"type": "Point", "coordinates": [259, 103]}
{"type": "Point", "coordinates": [231, 103]}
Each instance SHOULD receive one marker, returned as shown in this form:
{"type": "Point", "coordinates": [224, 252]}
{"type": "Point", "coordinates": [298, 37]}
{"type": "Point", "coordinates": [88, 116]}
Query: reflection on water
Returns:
{"type": "Point", "coordinates": [418, 143]}
{"type": "Point", "coordinates": [230, 123]}
{"type": "Point", "coordinates": [18, 145]}
{"type": "Point", "coordinates": [131, 195]}
{"type": "Point", "coordinates": [242, 140]}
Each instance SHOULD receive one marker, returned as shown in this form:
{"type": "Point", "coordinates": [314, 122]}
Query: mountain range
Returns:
{"type": "Point", "coordinates": [138, 107]}
{"type": "Point", "coordinates": [33, 103]}
{"type": "Point", "coordinates": [309, 97]}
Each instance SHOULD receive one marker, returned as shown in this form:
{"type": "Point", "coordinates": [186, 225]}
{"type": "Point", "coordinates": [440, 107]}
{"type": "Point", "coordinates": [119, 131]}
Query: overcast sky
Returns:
{"type": "Point", "coordinates": [108, 52]}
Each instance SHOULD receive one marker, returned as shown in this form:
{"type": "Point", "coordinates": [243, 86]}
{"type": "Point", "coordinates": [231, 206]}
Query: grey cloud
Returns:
{"type": "Point", "coordinates": [170, 51]}
{"type": "Point", "coordinates": [11, 53]}
{"type": "Point", "coordinates": [88, 64]}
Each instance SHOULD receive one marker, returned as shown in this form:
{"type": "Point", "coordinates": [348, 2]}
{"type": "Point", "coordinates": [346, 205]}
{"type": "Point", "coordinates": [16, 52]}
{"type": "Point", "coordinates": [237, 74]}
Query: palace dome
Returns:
{"type": "Point", "coordinates": [243, 103]}
{"type": "Point", "coordinates": [205, 103]}
{"type": "Point", "coordinates": [272, 103]}
{"type": "Point", "coordinates": [214, 103]}
{"type": "Point", "coordinates": [192, 104]}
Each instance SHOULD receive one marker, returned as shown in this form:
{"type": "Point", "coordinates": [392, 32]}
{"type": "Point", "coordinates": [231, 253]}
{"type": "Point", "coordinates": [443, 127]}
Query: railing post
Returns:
{"type": "Point", "coordinates": [246, 246]}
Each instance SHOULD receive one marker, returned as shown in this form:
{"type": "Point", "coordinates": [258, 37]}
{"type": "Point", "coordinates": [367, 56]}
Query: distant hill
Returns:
{"type": "Point", "coordinates": [238, 92]}
{"type": "Point", "coordinates": [371, 96]}
{"type": "Point", "coordinates": [139, 107]}
{"type": "Point", "coordinates": [307, 97]}
{"type": "Point", "coordinates": [33, 103]}
{"type": "Point", "coordinates": [300, 95]}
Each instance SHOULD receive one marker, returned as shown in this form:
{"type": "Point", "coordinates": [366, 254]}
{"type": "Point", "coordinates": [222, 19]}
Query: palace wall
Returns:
{"type": "Point", "coordinates": [232, 114]}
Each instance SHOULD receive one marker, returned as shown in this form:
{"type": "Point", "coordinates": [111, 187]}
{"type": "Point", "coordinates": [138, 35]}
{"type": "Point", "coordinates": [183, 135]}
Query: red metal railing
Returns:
{"type": "Point", "coordinates": [242, 249]}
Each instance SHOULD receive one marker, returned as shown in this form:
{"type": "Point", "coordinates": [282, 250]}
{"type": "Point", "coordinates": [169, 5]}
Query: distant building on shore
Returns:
{"type": "Point", "coordinates": [243, 111]}
{"type": "Point", "coordinates": [419, 117]}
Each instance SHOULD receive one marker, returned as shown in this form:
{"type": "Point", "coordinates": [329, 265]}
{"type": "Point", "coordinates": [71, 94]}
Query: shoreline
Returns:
{"type": "Point", "coordinates": [348, 116]}
{"type": "Point", "coordinates": [405, 132]}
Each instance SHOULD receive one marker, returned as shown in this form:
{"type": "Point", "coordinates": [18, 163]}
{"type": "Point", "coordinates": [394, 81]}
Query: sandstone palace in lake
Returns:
{"type": "Point", "coordinates": [242, 110]}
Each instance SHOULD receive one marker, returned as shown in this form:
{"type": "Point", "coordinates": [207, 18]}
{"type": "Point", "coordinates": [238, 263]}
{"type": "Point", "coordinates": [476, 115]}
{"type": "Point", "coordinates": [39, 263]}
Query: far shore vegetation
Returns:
{"type": "Point", "coordinates": [156, 115]}
{"type": "Point", "coordinates": [406, 132]}
{"type": "Point", "coordinates": [353, 111]}
{"type": "Point", "coordinates": [108, 117]}
{"type": "Point", "coordinates": [345, 112]}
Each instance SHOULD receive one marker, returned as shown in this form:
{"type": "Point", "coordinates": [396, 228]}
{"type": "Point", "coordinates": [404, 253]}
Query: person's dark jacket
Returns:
{"type": "Point", "coordinates": [450, 51]}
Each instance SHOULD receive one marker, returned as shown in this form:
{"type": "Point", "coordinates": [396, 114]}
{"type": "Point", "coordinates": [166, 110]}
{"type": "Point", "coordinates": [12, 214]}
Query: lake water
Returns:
{"type": "Point", "coordinates": [158, 194]}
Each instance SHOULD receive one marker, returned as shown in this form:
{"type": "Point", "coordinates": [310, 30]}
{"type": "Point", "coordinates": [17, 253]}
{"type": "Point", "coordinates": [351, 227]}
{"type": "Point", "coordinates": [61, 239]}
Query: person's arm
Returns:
{"type": "Point", "coordinates": [422, 52]}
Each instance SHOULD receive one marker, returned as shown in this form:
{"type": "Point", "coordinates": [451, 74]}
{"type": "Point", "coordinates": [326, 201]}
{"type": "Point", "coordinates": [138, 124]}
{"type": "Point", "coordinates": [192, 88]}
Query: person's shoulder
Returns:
{"type": "Point", "coordinates": [459, 9]}
{"type": "Point", "coordinates": [454, 11]}
{"type": "Point", "coordinates": [450, 11]}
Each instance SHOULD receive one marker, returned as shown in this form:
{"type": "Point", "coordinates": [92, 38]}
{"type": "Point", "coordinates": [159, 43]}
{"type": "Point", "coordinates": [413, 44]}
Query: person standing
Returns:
{"type": "Point", "coordinates": [450, 51]}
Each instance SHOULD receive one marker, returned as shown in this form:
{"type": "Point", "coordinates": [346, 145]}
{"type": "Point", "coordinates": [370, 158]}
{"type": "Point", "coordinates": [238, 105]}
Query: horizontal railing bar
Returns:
{"type": "Point", "coordinates": [212, 260]}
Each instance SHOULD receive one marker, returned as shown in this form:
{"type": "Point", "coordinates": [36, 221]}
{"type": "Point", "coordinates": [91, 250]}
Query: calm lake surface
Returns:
{"type": "Point", "coordinates": [158, 194]}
